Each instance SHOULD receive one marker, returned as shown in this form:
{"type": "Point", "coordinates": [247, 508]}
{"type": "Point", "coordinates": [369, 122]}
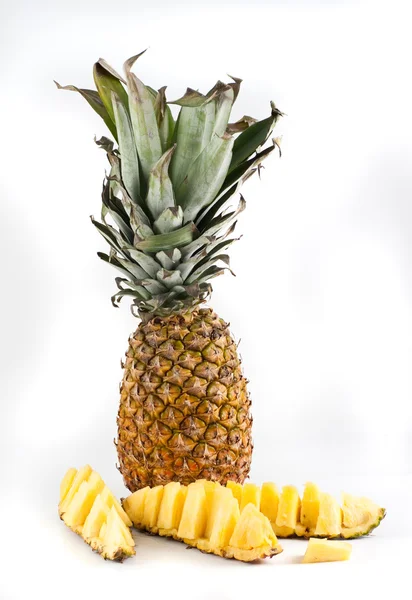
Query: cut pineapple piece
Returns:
{"type": "Point", "coordinates": [209, 520]}
{"type": "Point", "coordinates": [194, 515]}
{"type": "Point", "coordinates": [110, 500]}
{"type": "Point", "coordinates": [288, 509]}
{"type": "Point", "coordinates": [269, 501]}
{"type": "Point", "coordinates": [250, 495]}
{"type": "Point", "coordinates": [152, 506]}
{"type": "Point", "coordinates": [359, 516]}
{"type": "Point", "coordinates": [82, 475]}
{"type": "Point", "coordinates": [309, 511]}
{"type": "Point", "coordinates": [329, 522]}
{"type": "Point", "coordinates": [326, 551]}
{"type": "Point", "coordinates": [91, 510]}
{"type": "Point", "coordinates": [66, 483]}
{"type": "Point", "coordinates": [236, 490]}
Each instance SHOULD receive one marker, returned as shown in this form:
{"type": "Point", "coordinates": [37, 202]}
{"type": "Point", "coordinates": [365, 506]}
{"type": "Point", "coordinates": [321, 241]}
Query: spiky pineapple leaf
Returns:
{"type": "Point", "coordinates": [94, 100]}
{"type": "Point", "coordinates": [191, 99]}
{"type": "Point", "coordinates": [241, 124]}
{"type": "Point", "coordinates": [253, 137]}
{"type": "Point", "coordinates": [106, 83]}
{"type": "Point", "coordinates": [143, 117]}
{"type": "Point", "coordinates": [205, 176]}
{"type": "Point", "coordinates": [164, 118]}
{"type": "Point", "coordinates": [160, 194]}
{"type": "Point", "coordinates": [128, 152]}
{"type": "Point", "coordinates": [224, 103]}
{"type": "Point", "coordinates": [167, 241]}
{"type": "Point", "coordinates": [169, 220]}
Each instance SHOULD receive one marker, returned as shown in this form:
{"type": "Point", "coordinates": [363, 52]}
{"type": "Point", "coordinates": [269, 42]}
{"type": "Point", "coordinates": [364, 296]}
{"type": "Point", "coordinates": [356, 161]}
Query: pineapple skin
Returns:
{"type": "Point", "coordinates": [184, 408]}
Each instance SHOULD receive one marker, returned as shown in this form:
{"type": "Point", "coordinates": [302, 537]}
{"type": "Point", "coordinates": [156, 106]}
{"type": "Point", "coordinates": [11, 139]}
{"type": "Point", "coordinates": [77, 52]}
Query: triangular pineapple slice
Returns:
{"type": "Point", "coordinates": [253, 530]}
{"type": "Point", "coordinates": [288, 511]}
{"type": "Point", "coordinates": [236, 490]}
{"type": "Point", "coordinates": [330, 517]}
{"type": "Point", "coordinates": [171, 507]}
{"type": "Point", "coordinates": [194, 515]}
{"type": "Point", "coordinates": [250, 495]}
{"type": "Point", "coordinates": [110, 500]}
{"type": "Point", "coordinates": [82, 503]}
{"type": "Point", "coordinates": [309, 511]}
{"type": "Point", "coordinates": [326, 551]}
{"type": "Point", "coordinates": [115, 545]}
{"type": "Point", "coordinates": [269, 501]}
{"type": "Point", "coordinates": [359, 516]}
{"type": "Point", "coordinates": [82, 475]}
{"type": "Point", "coordinates": [95, 519]}
{"type": "Point", "coordinates": [152, 506]}
{"type": "Point", "coordinates": [134, 505]}
{"type": "Point", "coordinates": [221, 496]}
{"type": "Point", "coordinates": [225, 514]}
{"type": "Point", "coordinates": [66, 483]}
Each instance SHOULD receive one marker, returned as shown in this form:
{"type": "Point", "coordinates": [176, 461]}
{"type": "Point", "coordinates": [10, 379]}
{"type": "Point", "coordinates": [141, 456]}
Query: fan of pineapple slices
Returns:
{"type": "Point", "coordinates": [204, 515]}
{"type": "Point", "coordinates": [317, 514]}
{"type": "Point", "coordinates": [89, 508]}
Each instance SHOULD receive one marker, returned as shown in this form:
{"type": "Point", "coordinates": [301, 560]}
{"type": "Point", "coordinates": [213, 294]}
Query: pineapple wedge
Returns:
{"type": "Point", "coordinates": [326, 551]}
{"type": "Point", "coordinates": [359, 516]}
{"type": "Point", "coordinates": [89, 508]}
{"type": "Point", "coordinates": [250, 495]}
{"type": "Point", "coordinates": [309, 511]}
{"type": "Point", "coordinates": [288, 512]}
{"type": "Point", "coordinates": [204, 515]}
{"type": "Point", "coordinates": [329, 521]}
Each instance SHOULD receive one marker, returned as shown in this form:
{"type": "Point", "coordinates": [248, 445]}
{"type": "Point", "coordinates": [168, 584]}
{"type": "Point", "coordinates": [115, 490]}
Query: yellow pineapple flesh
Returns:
{"type": "Point", "coordinates": [250, 495]}
{"type": "Point", "coordinates": [359, 516]}
{"type": "Point", "coordinates": [288, 511]}
{"type": "Point", "coordinates": [89, 508]}
{"type": "Point", "coordinates": [309, 511]}
{"type": "Point", "coordinates": [329, 522]}
{"type": "Point", "coordinates": [326, 551]}
{"type": "Point", "coordinates": [236, 489]}
{"type": "Point", "coordinates": [269, 501]}
{"type": "Point", "coordinates": [209, 519]}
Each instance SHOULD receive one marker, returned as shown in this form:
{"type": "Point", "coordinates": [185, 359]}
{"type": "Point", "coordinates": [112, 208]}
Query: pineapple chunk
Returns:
{"type": "Point", "coordinates": [289, 508]}
{"type": "Point", "coordinates": [236, 490]}
{"type": "Point", "coordinates": [326, 551]}
{"type": "Point", "coordinates": [82, 503]}
{"type": "Point", "coordinates": [134, 505]}
{"type": "Point", "coordinates": [250, 495]}
{"type": "Point", "coordinates": [359, 516]}
{"type": "Point", "coordinates": [269, 501]}
{"type": "Point", "coordinates": [330, 517]}
{"type": "Point", "coordinates": [66, 483]}
{"type": "Point", "coordinates": [171, 506]}
{"type": "Point", "coordinates": [110, 500]}
{"type": "Point", "coordinates": [91, 510]}
{"type": "Point", "coordinates": [194, 515]}
{"type": "Point", "coordinates": [152, 506]}
{"type": "Point", "coordinates": [82, 475]}
{"type": "Point", "coordinates": [309, 511]}
{"type": "Point", "coordinates": [225, 515]}
{"type": "Point", "coordinates": [253, 530]}
{"type": "Point", "coordinates": [221, 496]}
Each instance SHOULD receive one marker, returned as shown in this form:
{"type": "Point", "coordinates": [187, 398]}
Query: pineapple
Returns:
{"type": "Point", "coordinates": [204, 515]}
{"type": "Point", "coordinates": [184, 407]}
{"type": "Point", "coordinates": [317, 515]}
{"type": "Point", "coordinates": [89, 508]}
{"type": "Point", "coordinates": [326, 551]}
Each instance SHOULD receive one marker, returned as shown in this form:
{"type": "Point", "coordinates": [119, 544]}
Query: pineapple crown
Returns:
{"type": "Point", "coordinates": [164, 201]}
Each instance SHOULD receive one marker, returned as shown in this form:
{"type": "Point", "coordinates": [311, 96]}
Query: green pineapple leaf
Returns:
{"type": "Point", "coordinates": [164, 118]}
{"type": "Point", "coordinates": [167, 241]}
{"type": "Point", "coordinates": [106, 83]}
{"type": "Point", "coordinates": [169, 220]}
{"type": "Point", "coordinates": [160, 193]}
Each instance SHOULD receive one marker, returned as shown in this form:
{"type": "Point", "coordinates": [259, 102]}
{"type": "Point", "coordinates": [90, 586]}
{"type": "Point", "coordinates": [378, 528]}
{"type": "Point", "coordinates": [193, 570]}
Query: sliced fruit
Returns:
{"type": "Point", "coordinates": [329, 522]}
{"type": "Point", "coordinates": [326, 551]}
{"type": "Point", "coordinates": [269, 501]}
{"type": "Point", "coordinates": [359, 516]}
{"type": "Point", "coordinates": [134, 506]}
{"type": "Point", "coordinates": [210, 520]}
{"type": "Point", "coordinates": [309, 511]}
{"type": "Point", "coordinates": [289, 508]}
{"type": "Point", "coordinates": [152, 506]}
{"type": "Point", "coordinates": [236, 490]}
{"type": "Point", "coordinates": [250, 495]}
{"type": "Point", "coordinates": [91, 510]}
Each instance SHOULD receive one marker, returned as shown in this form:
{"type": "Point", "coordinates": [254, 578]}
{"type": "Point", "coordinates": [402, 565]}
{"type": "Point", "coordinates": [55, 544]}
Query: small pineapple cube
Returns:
{"type": "Point", "coordinates": [134, 505]}
{"type": "Point", "coordinates": [289, 508]}
{"type": "Point", "coordinates": [330, 517]}
{"type": "Point", "coordinates": [152, 506]}
{"type": "Point", "coordinates": [171, 506]}
{"type": "Point", "coordinates": [326, 551]}
{"type": "Point", "coordinates": [250, 495]}
{"type": "Point", "coordinates": [269, 501]}
{"type": "Point", "coordinates": [236, 490]}
{"type": "Point", "coordinates": [194, 515]}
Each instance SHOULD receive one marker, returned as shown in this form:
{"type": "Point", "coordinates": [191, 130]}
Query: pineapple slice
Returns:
{"type": "Point", "coordinates": [134, 506]}
{"type": "Point", "coordinates": [236, 490]}
{"type": "Point", "coordinates": [152, 506]}
{"type": "Point", "coordinates": [329, 522]}
{"type": "Point", "coordinates": [326, 551]}
{"type": "Point", "coordinates": [250, 495]}
{"type": "Point", "coordinates": [207, 516]}
{"type": "Point", "coordinates": [309, 511]}
{"type": "Point", "coordinates": [91, 510]}
{"type": "Point", "coordinates": [194, 515]}
{"type": "Point", "coordinates": [269, 501]}
{"type": "Point", "coordinates": [288, 511]}
{"type": "Point", "coordinates": [359, 516]}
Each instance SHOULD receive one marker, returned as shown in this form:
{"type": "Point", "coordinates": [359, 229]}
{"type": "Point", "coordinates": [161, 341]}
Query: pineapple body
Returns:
{"type": "Point", "coordinates": [184, 407]}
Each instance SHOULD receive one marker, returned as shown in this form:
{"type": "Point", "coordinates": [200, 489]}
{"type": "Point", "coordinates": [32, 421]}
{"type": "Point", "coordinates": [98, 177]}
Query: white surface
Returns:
{"type": "Point", "coordinates": [327, 239]}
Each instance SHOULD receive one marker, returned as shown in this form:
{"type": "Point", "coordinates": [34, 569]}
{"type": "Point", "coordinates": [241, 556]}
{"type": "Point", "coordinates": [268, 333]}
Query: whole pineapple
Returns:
{"type": "Point", "coordinates": [184, 409]}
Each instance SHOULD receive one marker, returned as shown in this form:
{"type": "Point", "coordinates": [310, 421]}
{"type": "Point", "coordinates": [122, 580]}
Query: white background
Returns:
{"type": "Point", "coordinates": [321, 302]}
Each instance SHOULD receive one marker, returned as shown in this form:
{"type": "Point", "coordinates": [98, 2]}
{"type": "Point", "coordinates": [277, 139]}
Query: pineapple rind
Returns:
{"type": "Point", "coordinates": [90, 485]}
